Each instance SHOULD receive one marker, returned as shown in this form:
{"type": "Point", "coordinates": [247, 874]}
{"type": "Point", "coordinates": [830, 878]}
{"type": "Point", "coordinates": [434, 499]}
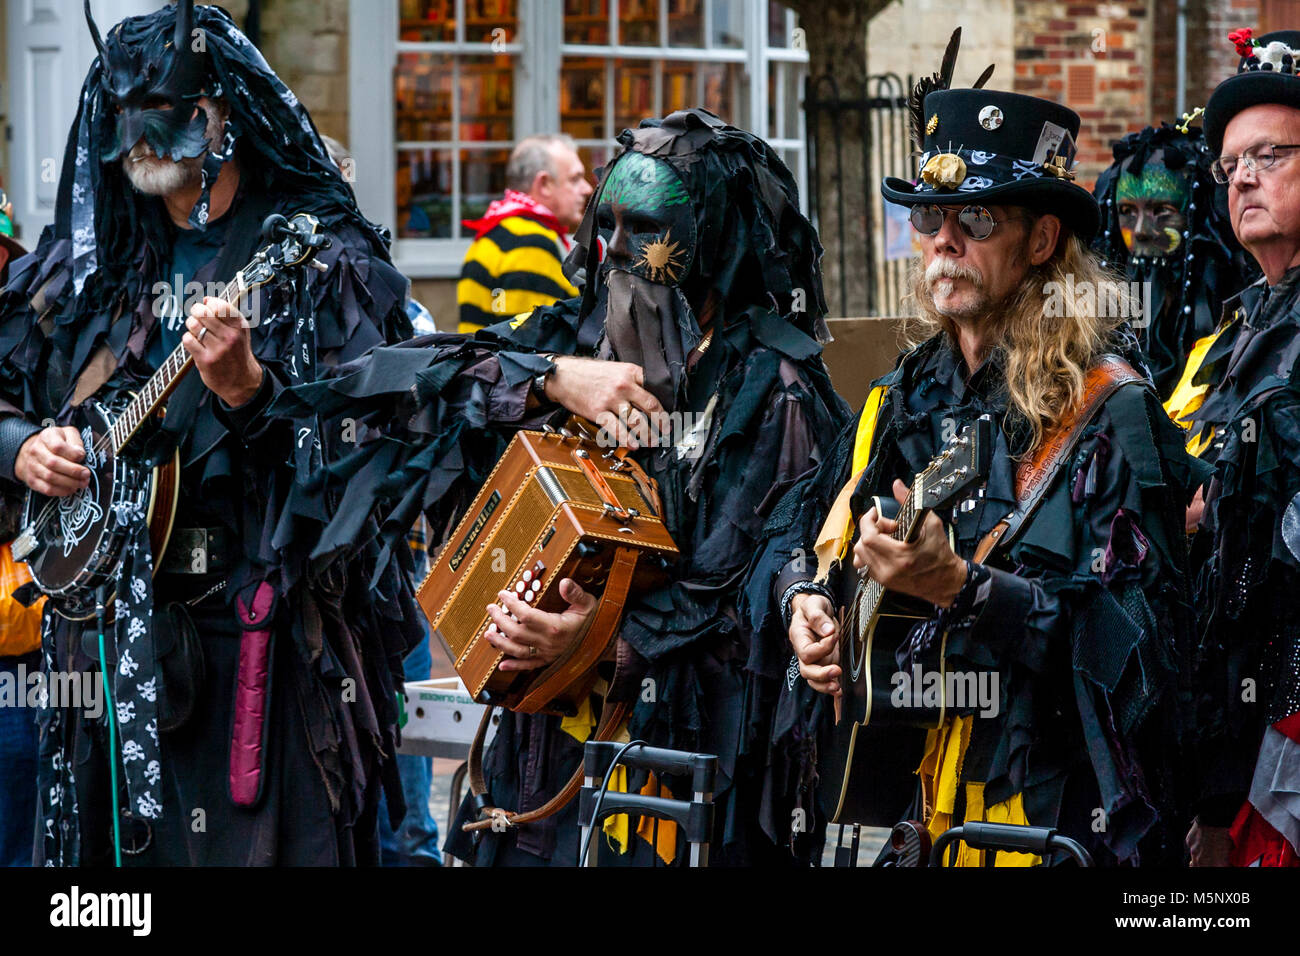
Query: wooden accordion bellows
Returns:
{"type": "Point", "coordinates": [556, 505]}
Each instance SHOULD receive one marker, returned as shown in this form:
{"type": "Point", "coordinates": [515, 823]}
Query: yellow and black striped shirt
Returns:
{"type": "Point", "coordinates": [510, 269]}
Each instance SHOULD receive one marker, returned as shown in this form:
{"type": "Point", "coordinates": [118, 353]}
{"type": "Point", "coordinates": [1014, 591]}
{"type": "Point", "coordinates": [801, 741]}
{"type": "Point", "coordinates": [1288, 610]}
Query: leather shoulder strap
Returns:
{"type": "Point", "coordinates": [1037, 472]}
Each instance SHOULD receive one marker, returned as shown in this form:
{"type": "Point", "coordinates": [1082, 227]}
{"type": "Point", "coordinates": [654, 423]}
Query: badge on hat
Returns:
{"type": "Point", "coordinates": [944, 171]}
{"type": "Point", "coordinates": [990, 117]}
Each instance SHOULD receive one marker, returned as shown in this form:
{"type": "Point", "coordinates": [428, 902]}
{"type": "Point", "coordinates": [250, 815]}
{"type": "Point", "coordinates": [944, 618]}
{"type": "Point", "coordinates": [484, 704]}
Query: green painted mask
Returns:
{"type": "Point", "coordinates": [1153, 208]}
{"type": "Point", "coordinates": [646, 219]}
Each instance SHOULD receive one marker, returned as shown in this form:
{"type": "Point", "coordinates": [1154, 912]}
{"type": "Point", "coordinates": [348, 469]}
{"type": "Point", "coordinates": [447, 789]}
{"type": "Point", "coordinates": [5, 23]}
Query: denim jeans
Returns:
{"type": "Point", "coordinates": [18, 750]}
{"type": "Point", "coordinates": [415, 842]}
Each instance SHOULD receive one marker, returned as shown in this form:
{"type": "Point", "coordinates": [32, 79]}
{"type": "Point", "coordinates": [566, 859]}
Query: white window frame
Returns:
{"type": "Point", "coordinates": [539, 49]}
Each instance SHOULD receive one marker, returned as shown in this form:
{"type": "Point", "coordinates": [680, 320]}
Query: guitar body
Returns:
{"type": "Point", "coordinates": [79, 541]}
{"type": "Point", "coordinates": [868, 773]}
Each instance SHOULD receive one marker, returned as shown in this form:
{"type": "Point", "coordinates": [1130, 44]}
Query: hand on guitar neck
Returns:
{"type": "Point", "coordinates": [223, 353]}
{"type": "Point", "coordinates": [925, 567]}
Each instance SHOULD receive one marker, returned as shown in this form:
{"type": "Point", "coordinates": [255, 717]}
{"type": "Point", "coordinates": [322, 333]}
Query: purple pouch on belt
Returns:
{"type": "Point", "coordinates": [252, 696]}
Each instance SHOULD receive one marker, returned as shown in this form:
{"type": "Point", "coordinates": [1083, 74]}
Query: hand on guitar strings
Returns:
{"type": "Point", "coordinates": [611, 394]}
{"type": "Point", "coordinates": [814, 635]}
{"type": "Point", "coordinates": [532, 638]}
{"type": "Point", "coordinates": [49, 462]}
{"type": "Point", "coordinates": [925, 568]}
{"type": "Point", "coordinates": [219, 340]}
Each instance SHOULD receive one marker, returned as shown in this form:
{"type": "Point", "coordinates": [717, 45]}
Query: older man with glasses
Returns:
{"type": "Point", "coordinates": [1247, 547]}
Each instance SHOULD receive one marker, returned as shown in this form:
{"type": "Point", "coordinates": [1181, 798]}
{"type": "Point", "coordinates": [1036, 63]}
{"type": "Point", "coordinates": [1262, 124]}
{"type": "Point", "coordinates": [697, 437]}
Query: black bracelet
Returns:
{"type": "Point", "coordinates": [801, 587]}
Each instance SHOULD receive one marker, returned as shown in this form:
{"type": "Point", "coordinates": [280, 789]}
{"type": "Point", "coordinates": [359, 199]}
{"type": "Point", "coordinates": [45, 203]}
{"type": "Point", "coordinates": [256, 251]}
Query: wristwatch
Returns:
{"type": "Point", "coordinates": [538, 387]}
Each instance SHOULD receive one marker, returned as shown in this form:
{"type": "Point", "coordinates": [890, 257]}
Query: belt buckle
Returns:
{"type": "Point", "coordinates": [192, 550]}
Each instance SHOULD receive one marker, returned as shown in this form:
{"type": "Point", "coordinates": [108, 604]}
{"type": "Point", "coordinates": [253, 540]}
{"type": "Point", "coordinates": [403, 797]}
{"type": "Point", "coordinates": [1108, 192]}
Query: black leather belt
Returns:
{"type": "Point", "coordinates": [196, 551]}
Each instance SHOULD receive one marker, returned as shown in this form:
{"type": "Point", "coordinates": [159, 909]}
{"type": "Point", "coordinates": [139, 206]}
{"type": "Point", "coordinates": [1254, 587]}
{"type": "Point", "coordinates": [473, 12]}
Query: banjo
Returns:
{"type": "Point", "coordinates": [73, 544]}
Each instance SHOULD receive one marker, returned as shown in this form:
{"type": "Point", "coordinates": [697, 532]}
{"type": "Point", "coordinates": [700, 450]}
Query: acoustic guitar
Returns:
{"type": "Point", "coordinates": [868, 772]}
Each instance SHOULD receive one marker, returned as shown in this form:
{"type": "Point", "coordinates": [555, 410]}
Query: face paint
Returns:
{"type": "Point", "coordinates": [153, 84]}
{"type": "Point", "coordinates": [646, 220]}
{"type": "Point", "coordinates": [1153, 209]}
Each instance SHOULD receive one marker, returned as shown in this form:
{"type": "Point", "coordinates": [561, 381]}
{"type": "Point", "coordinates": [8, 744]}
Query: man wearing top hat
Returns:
{"type": "Point", "coordinates": [1247, 549]}
{"type": "Point", "coordinates": [1080, 615]}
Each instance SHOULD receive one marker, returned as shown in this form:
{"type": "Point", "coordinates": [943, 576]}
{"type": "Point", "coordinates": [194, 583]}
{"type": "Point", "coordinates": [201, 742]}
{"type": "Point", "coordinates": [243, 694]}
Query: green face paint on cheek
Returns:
{"type": "Point", "coordinates": [1152, 209]}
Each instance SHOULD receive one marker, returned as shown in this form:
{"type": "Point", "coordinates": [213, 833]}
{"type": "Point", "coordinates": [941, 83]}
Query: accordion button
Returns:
{"type": "Point", "coordinates": [519, 587]}
{"type": "Point", "coordinates": [528, 576]}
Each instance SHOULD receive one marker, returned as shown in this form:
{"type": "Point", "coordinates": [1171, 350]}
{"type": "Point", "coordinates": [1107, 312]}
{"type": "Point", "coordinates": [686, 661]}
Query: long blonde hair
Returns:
{"type": "Point", "coordinates": [1051, 330]}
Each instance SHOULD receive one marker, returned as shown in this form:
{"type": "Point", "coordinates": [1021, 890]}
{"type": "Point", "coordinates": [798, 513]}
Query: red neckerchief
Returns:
{"type": "Point", "coordinates": [515, 204]}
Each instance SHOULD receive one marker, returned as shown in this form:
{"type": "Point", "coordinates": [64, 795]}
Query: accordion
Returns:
{"type": "Point", "coordinates": [557, 505]}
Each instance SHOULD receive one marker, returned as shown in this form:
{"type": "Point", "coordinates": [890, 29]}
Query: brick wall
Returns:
{"type": "Point", "coordinates": [305, 41]}
{"type": "Point", "coordinates": [1210, 57]}
{"type": "Point", "coordinates": [1094, 58]}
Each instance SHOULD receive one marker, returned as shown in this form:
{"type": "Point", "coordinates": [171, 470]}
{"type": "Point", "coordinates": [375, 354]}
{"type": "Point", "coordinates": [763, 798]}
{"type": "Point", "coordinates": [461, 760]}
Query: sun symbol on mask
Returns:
{"type": "Point", "coordinates": [661, 258]}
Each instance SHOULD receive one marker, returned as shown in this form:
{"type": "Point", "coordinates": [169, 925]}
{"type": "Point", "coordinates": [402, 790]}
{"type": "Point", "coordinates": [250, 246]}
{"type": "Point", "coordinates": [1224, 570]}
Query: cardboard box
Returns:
{"type": "Point", "coordinates": [863, 349]}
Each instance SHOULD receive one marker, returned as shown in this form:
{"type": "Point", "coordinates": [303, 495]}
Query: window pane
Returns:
{"type": "Point", "coordinates": [784, 93]}
{"type": "Point", "coordinates": [422, 88]}
{"type": "Point", "coordinates": [729, 23]}
{"type": "Point", "coordinates": [582, 98]}
{"type": "Point", "coordinates": [633, 93]}
{"type": "Point", "coordinates": [484, 17]}
{"type": "Point", "coordinates": [638, 22]}
{"type": "Point", "coordinates": [586, 21]}
{"type": "Point", "coordinates": [686, 23]}
{"type": "Point", "coordinates": [777, 34]}
{"type": "Point", "coordinates": [482, 179]}
{"type": "Point", "coordinates": [434, 21]}
{"type": "Point", "coordinates": [424, 194]}
{"type": "Point", "coordinates": [715, 86]}
{"type": "Point", "coordinates": [428, 21]}
{"type": "Point", "coordinates": [486, 108]}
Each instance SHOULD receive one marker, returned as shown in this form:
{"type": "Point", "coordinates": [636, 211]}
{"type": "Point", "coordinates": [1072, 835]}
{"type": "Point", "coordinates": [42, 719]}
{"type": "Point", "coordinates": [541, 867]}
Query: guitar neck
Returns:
{"type": "Point", "coordinates": [908, 526]}
{"type": "Point", "coordinates": [164, 381]}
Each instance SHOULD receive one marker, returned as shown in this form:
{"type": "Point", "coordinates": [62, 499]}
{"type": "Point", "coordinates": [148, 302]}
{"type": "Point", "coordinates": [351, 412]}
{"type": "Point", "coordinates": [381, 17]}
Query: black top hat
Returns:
{"type": "Point", "coordinates": [1267, 74]}
{"type": "Point", "coordinates": [990, 146]}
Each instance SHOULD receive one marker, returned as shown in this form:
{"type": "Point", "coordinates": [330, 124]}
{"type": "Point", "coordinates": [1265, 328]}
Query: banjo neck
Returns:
{"type": "Point", "coordinates": [164, 381]}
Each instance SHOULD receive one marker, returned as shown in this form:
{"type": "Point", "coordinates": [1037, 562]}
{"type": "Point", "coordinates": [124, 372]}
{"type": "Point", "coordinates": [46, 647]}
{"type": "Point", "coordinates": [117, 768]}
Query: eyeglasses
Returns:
{"type": "Point", "coordinates": [976, 221]}
{"type": "Point", "coordinates": [1262, 157]}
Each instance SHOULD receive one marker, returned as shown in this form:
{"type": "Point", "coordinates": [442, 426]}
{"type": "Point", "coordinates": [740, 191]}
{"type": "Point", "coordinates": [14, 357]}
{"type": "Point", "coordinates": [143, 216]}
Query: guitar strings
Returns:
{"type": "Point", "coordinates": [51, 506]}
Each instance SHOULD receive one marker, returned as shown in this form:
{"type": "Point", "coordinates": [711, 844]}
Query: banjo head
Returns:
{"type": "Point", "coordinates": [70, 530]}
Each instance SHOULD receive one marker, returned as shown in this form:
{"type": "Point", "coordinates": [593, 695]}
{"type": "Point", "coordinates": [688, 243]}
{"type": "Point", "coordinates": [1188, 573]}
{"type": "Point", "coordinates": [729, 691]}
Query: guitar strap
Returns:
{"type": "Point", "coordinates": [1036, 473]}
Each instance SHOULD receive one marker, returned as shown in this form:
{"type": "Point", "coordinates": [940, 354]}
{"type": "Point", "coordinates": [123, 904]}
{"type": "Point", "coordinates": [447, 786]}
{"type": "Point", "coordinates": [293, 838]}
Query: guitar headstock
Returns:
{"type": "Point", "coordinates": [963, 464]}
{"type": "Point", "coordinates": [290, 243]}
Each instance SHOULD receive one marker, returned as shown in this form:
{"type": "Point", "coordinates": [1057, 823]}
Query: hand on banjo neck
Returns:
{"type": "Point", "coordinates": [50, 461]}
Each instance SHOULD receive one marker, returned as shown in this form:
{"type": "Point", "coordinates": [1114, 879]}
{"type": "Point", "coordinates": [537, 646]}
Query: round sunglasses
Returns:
{"type": "Point", "coordinates": [976, 221]}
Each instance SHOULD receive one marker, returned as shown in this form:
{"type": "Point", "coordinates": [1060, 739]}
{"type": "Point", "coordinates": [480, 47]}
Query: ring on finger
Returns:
{"type": "Point", "coordinates": [532, 650]}
{"type": "Point", "coordinates": [202, 332]}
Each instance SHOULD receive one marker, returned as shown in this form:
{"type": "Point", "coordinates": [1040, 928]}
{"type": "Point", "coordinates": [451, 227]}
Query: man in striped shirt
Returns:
{"type": "Point", "coordinates": [514, 263]}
